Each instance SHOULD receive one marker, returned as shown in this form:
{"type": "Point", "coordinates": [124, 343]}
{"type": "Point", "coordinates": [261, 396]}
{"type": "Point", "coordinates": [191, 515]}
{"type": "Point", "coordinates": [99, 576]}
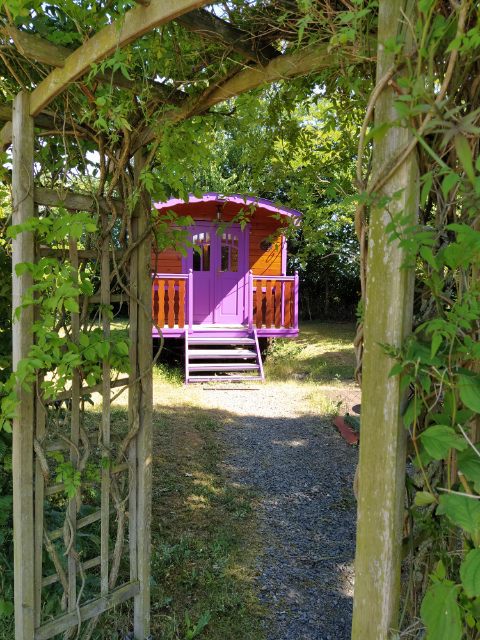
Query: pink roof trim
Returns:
{"type": "Point", "coordinates": [262, 203]}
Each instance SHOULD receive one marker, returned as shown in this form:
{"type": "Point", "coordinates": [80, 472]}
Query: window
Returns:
{"type": "Point", "coordinates": [229, 253]}
{"type": "Point", "coordinates": [201, 251]}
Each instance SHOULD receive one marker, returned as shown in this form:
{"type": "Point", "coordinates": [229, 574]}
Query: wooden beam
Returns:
{"type": "Point", "coordinates": [37, 48]}
{"type": "Point", "coordinates": [143, 395]}
{"type": "Point", "coordinates": [132, 25]}
{"type": "Point", "coordinates": [71, 201]}
{"type": "Point", "coordinates": [87, 611]}
{"type": "Point", "coordinates": [282, 67]}
{"type": "Point", "coordinates": [43, 121]}
{"type": "Point", "coordinates": [22, 340]}
{"type": "Point", "coordinates": [210, 26]}
{"type": "Point", "coordinates": [388, 320]}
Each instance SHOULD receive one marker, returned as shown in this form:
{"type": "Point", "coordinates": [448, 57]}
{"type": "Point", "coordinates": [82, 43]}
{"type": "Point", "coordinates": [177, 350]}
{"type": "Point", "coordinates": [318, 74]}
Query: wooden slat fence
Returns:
{"type": "Point", "coordinates": [275, 302]}
{"type": "Point", "coordinates": [169, 295]}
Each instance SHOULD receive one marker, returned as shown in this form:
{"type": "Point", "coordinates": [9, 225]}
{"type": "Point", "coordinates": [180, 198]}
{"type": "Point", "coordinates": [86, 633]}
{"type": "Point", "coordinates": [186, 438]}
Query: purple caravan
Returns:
{"type": "Point", "coordinates": [226, 285]}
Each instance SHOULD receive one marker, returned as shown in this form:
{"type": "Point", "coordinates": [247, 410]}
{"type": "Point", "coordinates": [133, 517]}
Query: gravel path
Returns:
{"type": "Point", "coordinates": [302, 471]}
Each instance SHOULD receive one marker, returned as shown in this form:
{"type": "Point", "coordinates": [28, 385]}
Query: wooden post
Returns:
{"type": "Point", "coordinates": [388, 319]}
{"type": "Point", "coordinates": [295, 301]}
{"type": "Point", "coordinates": [144, 438]}
{"type": "Point", "coordinates": [23, 424]}
{"type": "Point", "coordinates": [250, 299]}
{"type": "Point", "coordinates": [190, 299]}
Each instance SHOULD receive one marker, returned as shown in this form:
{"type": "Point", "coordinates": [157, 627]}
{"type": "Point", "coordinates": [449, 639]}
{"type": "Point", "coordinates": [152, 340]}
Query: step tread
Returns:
{"type": "Point", "coordinates": [214, 366]}
{"type": "Point", "coordinates": [224, 379]}
{"type": "Point", "coordinates": [223, 340]}
{"type": "Point", "coordinates": [221, 353]}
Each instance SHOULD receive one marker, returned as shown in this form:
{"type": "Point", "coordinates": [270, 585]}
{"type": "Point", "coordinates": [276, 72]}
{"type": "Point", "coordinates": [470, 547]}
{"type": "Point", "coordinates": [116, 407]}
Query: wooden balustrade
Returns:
{"type": "Point", "coordinates": [275, 302]}
{"type": "Point", "coordinates": [168, 300]}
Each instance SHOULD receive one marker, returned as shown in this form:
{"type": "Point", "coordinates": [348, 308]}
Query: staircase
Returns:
{"type": "Point", "coordinates": [210, 357]}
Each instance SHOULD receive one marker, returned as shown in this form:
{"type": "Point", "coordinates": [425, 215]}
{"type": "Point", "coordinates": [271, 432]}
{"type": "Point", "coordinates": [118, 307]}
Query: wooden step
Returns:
{"type": "Point", "coordinates": [215, 366]}
{"type": "Point", "coordinates": [192, 340]}
{"type": "Point", "coordinates": [224, 379]}
{"type": "Point", "coordinates": [228, 354]}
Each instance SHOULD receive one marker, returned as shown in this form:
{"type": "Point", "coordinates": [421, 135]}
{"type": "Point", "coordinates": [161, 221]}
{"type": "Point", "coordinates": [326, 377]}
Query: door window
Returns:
{"type": "Point", "coordinates": [201, 251]}
{"type": "Point", "coordinates": [229, 253]}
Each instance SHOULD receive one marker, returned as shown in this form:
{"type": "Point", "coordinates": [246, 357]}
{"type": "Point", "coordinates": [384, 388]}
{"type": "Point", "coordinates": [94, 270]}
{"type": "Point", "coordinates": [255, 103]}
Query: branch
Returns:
{"type": "Point", "coordinates": [209, 26]}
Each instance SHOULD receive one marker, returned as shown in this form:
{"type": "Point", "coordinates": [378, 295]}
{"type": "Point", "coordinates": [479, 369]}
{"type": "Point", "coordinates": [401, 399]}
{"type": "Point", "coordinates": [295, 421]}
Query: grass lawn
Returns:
{"type": "Point", "coordinates": [322, 353]}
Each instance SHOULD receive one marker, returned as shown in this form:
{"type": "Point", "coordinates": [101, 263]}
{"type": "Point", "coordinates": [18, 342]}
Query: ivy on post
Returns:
{"type": "Point", "coordinates": [388, 319]}
{"type": "Point", "coordinates": [22, 340]}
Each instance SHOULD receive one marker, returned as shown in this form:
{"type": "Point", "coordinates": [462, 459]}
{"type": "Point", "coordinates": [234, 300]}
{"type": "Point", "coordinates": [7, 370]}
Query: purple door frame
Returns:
{"type": "Point", "coordinates": [219, 297]}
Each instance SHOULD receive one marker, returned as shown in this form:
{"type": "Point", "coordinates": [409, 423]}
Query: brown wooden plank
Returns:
{"type": "Point", "coordinates": [287, 302]}
{"type": "Point", "coordinates": [161, 304]}
{"type": "Point", "coordinates": [40, 418]}
{"type": "Point", "coordinates": [268, 304]}
{"type": "Point", "coordinates": [278, 304]}
{"type": "Point", "coordinates": [259, 303]}
{"type": "Point", "coordinates": [74, 439]}
{"type": "Point", "coordinates": [93, 608]}
{"type": "Point", "coordinates": [181, 303]}
{"type": "Point", "coordinates": [106, 412]}
{"type": "Point", "coordinates": [72, 201]}
{"type": "Point", "coordinates": [23, 423]}
{"type": "Point", "coordinates": [387, 320]}
{"type": "Point", "coordinates": [141, 614]}
{"type": "Point", "coordinates": [171, 303]}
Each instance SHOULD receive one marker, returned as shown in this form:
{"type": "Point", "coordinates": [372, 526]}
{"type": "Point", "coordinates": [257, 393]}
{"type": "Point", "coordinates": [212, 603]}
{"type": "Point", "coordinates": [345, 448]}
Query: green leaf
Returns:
{"type": "Point", "coordinates": [436, 343]}
{"type": "Point", "coordinates": [464, 154]}
{"type": "Point", "coordinates": [469, 464]}
{"type": "Point", "coordinates": [71, 304]}
{"type": "Point", "coordinates": [440, 612]}
{"type": "Point", "coordinates": [462, 511]}
{"type": "Point", "coordinates": [122, 348]}
{"type": "Point", "coordinates": [423, 498]}
{"type": "Point", "coordinates": [439, 439]}
{"type": "Point", "coordinates": [469, 389]}
{"type": "Point", "coordinates": [470, 573]}
{"type": "Point", "coordinates": [412, 411]}
{"type": "Point", "coordinates": [449, 181]}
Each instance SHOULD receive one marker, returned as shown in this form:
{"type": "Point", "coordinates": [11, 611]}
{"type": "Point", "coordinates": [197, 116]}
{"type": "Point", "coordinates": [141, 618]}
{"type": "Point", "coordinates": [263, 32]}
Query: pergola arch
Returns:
{"type": "Point", "coordinates": [379, 518]}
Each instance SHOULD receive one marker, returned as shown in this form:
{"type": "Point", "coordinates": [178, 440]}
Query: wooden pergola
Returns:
{"type": "Point", "coordinates": [387, 320]}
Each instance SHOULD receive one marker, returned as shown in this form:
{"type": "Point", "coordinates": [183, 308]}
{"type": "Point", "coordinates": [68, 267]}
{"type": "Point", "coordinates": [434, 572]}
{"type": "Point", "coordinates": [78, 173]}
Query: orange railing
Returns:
{"type": "Point", "coordinates": [275, 302]}
{"type": "Point", "coordinates": [169, 295]}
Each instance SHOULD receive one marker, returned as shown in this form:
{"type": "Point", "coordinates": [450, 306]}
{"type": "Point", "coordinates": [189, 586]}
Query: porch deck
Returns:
{"type": "Point", "coordinates": [270, 304]}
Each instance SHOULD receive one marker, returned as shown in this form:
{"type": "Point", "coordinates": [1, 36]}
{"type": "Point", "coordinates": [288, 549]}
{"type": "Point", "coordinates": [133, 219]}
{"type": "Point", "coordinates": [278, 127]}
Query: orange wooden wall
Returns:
{"type": "Point", "coordinates": [262, 226]}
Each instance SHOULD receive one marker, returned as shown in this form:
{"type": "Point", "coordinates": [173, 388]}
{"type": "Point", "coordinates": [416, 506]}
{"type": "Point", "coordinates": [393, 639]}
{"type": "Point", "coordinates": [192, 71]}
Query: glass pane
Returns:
{"type": "Point", "coordinates": [224, 261]}
{"type": "Point", "coordinates": [234, 259]}
{"type": "Point", "coordinates": [197, 260]}
{"type": "Point", "coordinates": [206, 257]}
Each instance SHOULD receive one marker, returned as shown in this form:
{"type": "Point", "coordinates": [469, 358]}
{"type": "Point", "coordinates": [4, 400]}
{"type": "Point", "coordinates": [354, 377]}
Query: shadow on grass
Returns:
{"type": "Point", "coordinates": [206, 546]}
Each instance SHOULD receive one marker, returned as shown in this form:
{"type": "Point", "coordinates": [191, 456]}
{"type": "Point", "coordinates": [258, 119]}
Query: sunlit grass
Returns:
{"type": "Point", "coordinates": [322, 353]}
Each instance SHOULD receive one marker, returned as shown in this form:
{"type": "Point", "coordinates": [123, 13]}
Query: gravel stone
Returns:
{"type": "Point", "coordinates": [302, 471]}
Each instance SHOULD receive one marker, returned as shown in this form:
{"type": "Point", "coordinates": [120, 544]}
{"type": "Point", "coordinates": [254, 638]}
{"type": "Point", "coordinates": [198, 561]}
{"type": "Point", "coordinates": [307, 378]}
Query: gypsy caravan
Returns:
{"type": "Point", "coordinates": [228, 286]}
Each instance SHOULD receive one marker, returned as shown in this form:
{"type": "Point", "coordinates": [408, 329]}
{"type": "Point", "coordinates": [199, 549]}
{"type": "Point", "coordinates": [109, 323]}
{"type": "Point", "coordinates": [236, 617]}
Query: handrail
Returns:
{"type": "Point", "coordinates": [170, 276]}
{"type": "Point", "coordinates": [277, 278]}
